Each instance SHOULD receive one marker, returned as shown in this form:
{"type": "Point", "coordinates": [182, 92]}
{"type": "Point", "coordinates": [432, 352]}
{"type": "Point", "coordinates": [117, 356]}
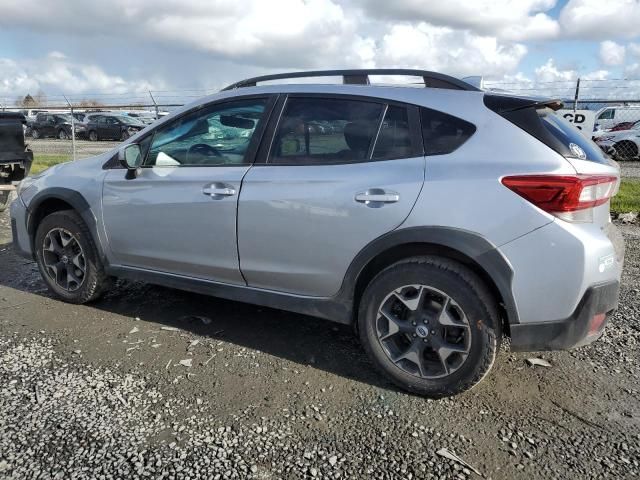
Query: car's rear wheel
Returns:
{"type": "Point", "coordinates": [93, 136]}
{"type": "Point", "coordinates": [430, 325]}
{"type": "Point", "coordinates": [68, 259]}
{"type": "Point", "coordinates": [626, 150]}
{"type": "Point", "coordinates": [35, 133]}
{"type": "Point", "coordinates": [62, 135]}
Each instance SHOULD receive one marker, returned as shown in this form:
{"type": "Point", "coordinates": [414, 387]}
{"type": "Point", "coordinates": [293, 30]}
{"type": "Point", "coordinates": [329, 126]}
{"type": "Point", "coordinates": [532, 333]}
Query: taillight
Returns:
{"type": "Point", "coordinates": [569, 197]}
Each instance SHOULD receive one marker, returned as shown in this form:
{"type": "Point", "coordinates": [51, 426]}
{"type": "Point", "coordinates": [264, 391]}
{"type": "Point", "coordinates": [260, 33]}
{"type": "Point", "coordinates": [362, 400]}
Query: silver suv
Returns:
{"type": "Point", "coordinates": [434, 220]}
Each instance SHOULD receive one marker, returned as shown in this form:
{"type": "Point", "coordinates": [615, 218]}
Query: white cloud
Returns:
{"type": "Point", "coordinates": [57, 75]}
{"type": "Point", "coordinates": [600, 19]}
{"type": "Point", "coordinates": [634, 49]}
{"type": "Point", "coordinates": [283, 33]}
{"type": "Point", "coordinates": [447, 50]}
{"type": "Point", "coordinates": [612, 53]}
{"type": "Point", "coordinates": [506, 19]}
{"type": "Point", "coordinates": [549, 72]}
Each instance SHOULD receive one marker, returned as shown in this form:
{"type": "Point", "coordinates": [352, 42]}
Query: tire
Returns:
{"type": "Point", "coordinates": [470, 303]}
{"type": "Point", "coordinates": [35, 133]}
{"type": "Point", "coordinates": [626, 150]}
{"type": "Point", "coordinates": [93, 281]}
{"type": "Point", "coordinates": [62, 135]}
{"type": "Point", "coordinates": [124, 135]}
{"type": "Point", "coordinates": [93, 136]}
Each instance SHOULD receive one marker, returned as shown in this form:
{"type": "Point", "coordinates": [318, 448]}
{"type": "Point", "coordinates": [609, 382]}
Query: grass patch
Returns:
{"type": "Point", "coordinates": [628, 198]}
{"type": "Point", "coordinates": [42, 161]}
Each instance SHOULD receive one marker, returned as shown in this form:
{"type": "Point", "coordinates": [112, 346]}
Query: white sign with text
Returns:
{"type": "Point", "coordinates": [583, 120]}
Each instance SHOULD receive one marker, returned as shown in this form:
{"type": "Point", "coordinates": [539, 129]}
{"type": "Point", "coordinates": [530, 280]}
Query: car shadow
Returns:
{"type": "Point", "coordinates": [305, 340]}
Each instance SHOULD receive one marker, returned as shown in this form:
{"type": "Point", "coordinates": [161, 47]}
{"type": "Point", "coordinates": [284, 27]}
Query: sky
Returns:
{"type": "Point", "coordinates": [180, 49]}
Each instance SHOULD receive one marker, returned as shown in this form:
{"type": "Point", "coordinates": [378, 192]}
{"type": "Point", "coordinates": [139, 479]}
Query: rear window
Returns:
{"type": "Point", "coordinates": [570, 137]}
{"type": "Point", "coordinates": [443, 133]}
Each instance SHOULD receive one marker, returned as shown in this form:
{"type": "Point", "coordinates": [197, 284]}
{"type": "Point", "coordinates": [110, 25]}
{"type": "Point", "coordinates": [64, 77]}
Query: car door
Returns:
{"type": "Point", "coordinates": [48, 128]}
{"type": "Point", "coordinates": [321, 195]}
{"type": "Point", "coordinates": [179, 215]}
{"type": "Point", "coordinates": [111, 128]}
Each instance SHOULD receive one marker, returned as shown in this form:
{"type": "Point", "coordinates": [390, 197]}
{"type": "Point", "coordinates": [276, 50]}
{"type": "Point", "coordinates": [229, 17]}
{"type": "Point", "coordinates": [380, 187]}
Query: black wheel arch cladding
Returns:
{"type": "Point", "coordinates": [70, 197]}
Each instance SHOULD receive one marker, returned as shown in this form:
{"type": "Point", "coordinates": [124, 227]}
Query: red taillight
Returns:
{"type": "Point", "coordinates": [558, 194]}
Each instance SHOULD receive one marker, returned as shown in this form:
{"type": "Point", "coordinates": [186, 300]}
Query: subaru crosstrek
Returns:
{"type": "Point", "coordinates": [435, 220]}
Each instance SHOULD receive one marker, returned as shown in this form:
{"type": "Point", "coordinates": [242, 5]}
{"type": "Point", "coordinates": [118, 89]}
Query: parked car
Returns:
{"type": "Point", "coordinates": [106, 126]}
{"type": "Point", "coordinates": [433, 220]}
{"type": "Point", "coordinates": [15, 157]}
{"type": "Point", "coordinates": [608, 117]}
{"type": "Point", "coordinates": [145, 117]}
{"type": "Point", "coordinates": [52, 125]}
{"type": "Point", "coordinates": [622, 145]}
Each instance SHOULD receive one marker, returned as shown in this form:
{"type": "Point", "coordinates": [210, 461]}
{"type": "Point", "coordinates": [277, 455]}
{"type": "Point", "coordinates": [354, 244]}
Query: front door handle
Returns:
{"type": "Point", "coordinates": [377, 197]}
{"type": "Point", "coordinates": [219, 190]}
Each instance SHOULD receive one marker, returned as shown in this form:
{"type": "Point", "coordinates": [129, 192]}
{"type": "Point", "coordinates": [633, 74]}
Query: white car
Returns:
{"type": "Point", "coordinates": [621, 145]}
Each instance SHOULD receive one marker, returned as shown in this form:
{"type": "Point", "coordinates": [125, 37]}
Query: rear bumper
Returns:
{"type": "Point", "coordinates": [581, 328]}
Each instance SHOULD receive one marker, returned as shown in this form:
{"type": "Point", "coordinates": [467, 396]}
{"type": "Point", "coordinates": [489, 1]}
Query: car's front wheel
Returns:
{"type": "Point", "coordinates": [62, 135]}
{"type": "Point", "coordinates": [35, 133]}
{"type": "Point", "coordinates": [430, 325]}
{"type": "Point", "coordinates": [93, 136]}
{"type": "Point", "coordinates": [68, 259]}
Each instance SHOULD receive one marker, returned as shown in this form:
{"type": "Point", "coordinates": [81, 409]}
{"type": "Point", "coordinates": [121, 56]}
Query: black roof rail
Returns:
{"type": "Point", "coordinates": [361, 77]}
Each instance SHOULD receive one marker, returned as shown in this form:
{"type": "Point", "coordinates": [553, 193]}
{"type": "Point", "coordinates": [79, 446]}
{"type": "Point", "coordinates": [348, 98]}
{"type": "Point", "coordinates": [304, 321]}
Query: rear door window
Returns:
{"type": "Point", "coordinates": [394, 138]}
{"type": "Point", "coordinates": [443, 133]}
{"type": "Point", "coordinates": [315, 131]}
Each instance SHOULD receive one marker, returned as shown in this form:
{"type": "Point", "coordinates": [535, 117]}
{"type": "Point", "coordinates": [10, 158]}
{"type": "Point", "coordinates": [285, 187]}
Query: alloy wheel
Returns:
{"type": "Point", "coordinates": [423, 331]}
{"type": "Point", "coordinates": [64, 259]}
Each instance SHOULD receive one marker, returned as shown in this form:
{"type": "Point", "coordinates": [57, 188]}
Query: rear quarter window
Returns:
{"type": "Point", "coordinates": [443, 133]}
{"type": "Point", "coordinates": [568, 135]}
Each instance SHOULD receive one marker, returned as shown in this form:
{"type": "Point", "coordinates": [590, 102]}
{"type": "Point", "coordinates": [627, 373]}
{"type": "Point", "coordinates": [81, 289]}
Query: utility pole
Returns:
{"type": "Point", "coordinates": [154, 103]}
{"type": "Point", "coordinates": [73, 129]}
{"type": "Point", "coordinates": [575, 100]}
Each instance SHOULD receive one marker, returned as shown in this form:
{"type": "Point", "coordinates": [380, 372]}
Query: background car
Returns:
{"type": "Point", "coordinates": [103, 126]}
{"type": "Point", "coordinates": [623, 145]}
{"type": "Point", "coordinates": [145, 117]}
{"type": "Point", "coordinates": [52, 125]}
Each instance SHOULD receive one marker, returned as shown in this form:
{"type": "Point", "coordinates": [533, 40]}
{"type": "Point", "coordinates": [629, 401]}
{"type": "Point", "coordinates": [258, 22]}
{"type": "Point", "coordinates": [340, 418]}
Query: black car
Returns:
{"type": "Point", "coordinates": [52, 125]}
{"type": "Point", "coordinates": [15, 157]}
{"type": "Point", "coordinates": [112, 127]}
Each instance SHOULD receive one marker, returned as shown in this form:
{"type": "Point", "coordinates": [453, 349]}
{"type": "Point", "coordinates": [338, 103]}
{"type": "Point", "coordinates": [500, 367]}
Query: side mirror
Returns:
{"type": "Point", "coordinates": [130, 157]}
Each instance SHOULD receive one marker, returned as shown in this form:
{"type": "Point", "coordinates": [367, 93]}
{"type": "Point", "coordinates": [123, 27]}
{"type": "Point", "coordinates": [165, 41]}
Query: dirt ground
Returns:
{"type": "Point", "coordinates": [98, 391]}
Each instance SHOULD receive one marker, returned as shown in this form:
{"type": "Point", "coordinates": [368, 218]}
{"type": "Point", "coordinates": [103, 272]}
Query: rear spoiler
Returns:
{"type": "Point", "coordinates": [509, 103]}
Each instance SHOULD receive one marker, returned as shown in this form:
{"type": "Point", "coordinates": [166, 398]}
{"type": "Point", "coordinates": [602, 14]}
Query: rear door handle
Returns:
{"type": "Point", "coordinates": [219, 190]}
{"type": "Point", "coordinates": [377, 197]}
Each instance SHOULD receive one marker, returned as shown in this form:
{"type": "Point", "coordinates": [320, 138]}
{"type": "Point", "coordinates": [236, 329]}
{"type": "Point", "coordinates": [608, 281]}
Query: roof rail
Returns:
{"type": "Point", "coordinates": [361, 77]}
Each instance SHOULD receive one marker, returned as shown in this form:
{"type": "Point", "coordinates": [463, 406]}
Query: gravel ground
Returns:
{"type": "Point", "coordinates": [156, 383]}
{"type": "Point", "coordinates": [630, 169]}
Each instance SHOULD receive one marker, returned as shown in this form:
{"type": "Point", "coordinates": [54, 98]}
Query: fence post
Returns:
{"type": "Point", "coordinates": [73, 130]}
{"type": "Point", "coordinates": [154, 103]}
{"type": "Point", "coordinates": [575, 100]}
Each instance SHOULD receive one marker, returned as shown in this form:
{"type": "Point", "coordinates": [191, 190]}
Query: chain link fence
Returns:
{"type": "Point", "coordinates": [605, 110]}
